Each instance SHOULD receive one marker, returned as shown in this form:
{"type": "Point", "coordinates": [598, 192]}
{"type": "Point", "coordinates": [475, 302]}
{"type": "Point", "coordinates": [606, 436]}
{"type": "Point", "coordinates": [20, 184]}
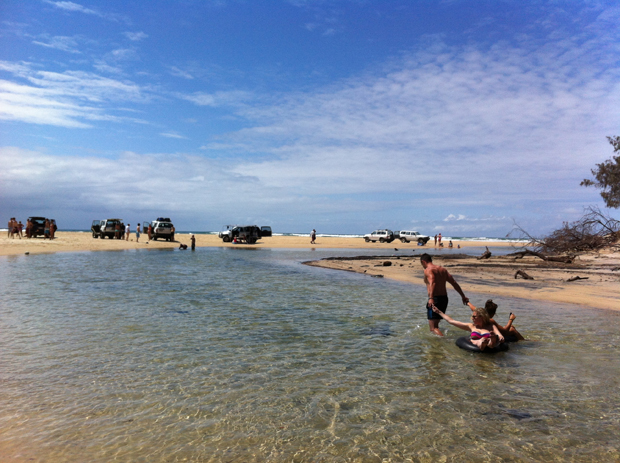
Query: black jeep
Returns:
{"type": "Point", "coordinates": [38, 226]}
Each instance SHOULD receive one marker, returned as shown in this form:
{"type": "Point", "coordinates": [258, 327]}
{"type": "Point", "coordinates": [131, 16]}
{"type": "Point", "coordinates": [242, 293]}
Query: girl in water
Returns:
{"type": "Point", "coordinates": [508, 330]}
{"type": "Point", "coordinates": [483, 333]}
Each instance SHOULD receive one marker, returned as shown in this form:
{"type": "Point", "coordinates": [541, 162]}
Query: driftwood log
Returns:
{"type": "Point", "coordinates": [563, 259]}
{"type": "Point", "coordinates": [486, 254]}
{"type": "Point", "coordinates": [577, 278]}
{"type": "Point", "coordinates": [522, 274]}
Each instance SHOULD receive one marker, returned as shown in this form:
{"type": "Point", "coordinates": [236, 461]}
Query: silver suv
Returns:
{"type": "Point", "coordinates": [407, 236]}
{"type": "Point", "coordinates": [162, 228]}
{"type": "Point", "coordinates": [382, 236]}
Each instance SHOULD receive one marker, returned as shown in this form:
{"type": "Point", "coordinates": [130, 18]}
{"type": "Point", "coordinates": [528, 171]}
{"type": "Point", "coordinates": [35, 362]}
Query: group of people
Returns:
{"type": "Point", "coordinates": [438, 241]}
{"type": "Point", "coordinates": [485, 332]}
{"type": "Point", "coordinates": [123, 231]}
{"type": "Point", "coordinates": [16, 228]}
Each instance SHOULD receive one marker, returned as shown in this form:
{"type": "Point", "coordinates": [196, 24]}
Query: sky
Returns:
{"type": "Point", "coordinates": [456, 116]}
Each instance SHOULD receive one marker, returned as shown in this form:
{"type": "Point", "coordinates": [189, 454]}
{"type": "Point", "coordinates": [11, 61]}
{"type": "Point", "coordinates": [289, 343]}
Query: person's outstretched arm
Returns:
{"type": "Point", "coordinates": [458, 289]}
{"type": "Point", "coordinates": [510, 320]}
{"type": "Point", "coordinates": [461, 325]}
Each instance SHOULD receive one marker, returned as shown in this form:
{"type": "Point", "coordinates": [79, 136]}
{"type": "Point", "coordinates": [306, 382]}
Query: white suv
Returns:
{"type": "Point", "coordinates": [383, 236]}
{"type": "Point", "coordinates": [162, 228]}
{"type": "Point", "coordinates": [407, 236]}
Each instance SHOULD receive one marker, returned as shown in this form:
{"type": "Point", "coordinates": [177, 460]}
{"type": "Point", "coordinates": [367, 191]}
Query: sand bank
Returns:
{"type": "Point", "coordinates": [82, 241]}
{"type": "Point", "coordinates": [600, 287]}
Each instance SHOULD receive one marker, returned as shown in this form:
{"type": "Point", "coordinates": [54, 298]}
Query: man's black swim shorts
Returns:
{"type": "Point", "coordinates": [441, 302]}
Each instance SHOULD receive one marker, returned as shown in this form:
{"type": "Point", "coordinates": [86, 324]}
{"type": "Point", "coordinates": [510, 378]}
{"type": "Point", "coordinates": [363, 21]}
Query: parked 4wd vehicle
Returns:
{"type": "Point", "coordinates": [95, 228]}
{"type": "Point", "coordinates": [38, 226]}
{"type": "Point", "coordinates": [247, 233]}
{"type": "Point", "coordinates": [107, 228]}
{"type": "Point", "coordinates": [383, 236]}
{"type": "Point", "coordinates": [407, 236]}
{"type": "Point", "coordinates": [162, 228]}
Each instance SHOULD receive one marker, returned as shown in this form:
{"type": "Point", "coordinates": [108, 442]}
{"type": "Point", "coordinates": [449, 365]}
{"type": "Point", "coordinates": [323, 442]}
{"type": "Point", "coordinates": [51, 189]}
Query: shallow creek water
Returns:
{"type": "Point", "coordinates": [246, 355]}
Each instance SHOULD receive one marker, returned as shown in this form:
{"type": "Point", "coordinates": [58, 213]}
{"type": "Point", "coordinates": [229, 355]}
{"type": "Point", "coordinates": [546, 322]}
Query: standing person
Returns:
{"type": "Point", "coordinates": [435, 240]}
{"type": "Point", "coordinates": [313, 236]}
{"type": "Point", "coordinates": [193, 240]}
{"type": "Point", "coordinates": [9, 228]}
{"type": "Point", "coordinates": [439, 239]}
{"type": "Point", "coordinates": [137, 233]}
{"type": "Point", "coordinates": [127, 231]}
{"type": "Point", "coordinates": [28, 228]}
{"type": "Point", "coordinates": [436, 278]}
{"type": "Point", "coordinates": [53, 229]}
{"type": "Point", "coordinates": [46, 229]}
{"type": "Point", "coordinates": [150, 231]}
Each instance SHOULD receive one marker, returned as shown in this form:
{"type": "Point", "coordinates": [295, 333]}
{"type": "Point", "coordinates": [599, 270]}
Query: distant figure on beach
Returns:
{"type": "Point", "coordinates": [508, 330]}
{"type": "Point", "coordinates": [9, 228]}
{"type": "Point", "coordinates": [150, 232]}
{"type": "Point", "coordinates": [28, 228]}
{"type": "Point", "coordinates": [313, 236]}
{"type": "Point", "coordinates": [458, 246]}
{"type": "Point", "coordinates": [183, 247]}
{"type": "Point", "coordinates": [483, 333]}
{"type": "Point", "coordinates": [450, 245]}
{"type": "Point", "coordinates": [53, 229]}
{"type": "Point", "coordinates": [435, 240]}
{"type": "Point", "coordinates": [127, 231]}
{"type": "Point", "coordinates": [46, 229]}
{"type": "Point", "coordinates": [138, 233]}
{"type": "Point", "coordinates": [193, 240]}
{"type": "Point", "coordinates": [436, 278]}
{"type": "Point", "coordinates": [439, 239]}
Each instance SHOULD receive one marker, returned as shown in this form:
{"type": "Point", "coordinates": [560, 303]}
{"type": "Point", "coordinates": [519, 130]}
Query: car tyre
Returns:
{"type": "Point", "coordinates": [403, 240]}
{"type": "Point", "coordinates": [226, 239]}
{"type": "Point", "coordinates": [421, 242]}
{"type": "Point", "coordinates": [381, 240]}
{"type": "Point", "coordinates": [367, 240]}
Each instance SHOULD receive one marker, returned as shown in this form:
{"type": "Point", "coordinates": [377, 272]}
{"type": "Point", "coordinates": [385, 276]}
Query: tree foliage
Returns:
{"type": "Point", "coordinates": [607, 176]}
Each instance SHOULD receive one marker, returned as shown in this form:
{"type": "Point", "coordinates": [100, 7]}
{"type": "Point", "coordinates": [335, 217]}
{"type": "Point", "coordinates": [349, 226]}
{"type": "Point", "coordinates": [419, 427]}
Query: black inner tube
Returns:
{"type": "Point", "coordinates": [465, 344]}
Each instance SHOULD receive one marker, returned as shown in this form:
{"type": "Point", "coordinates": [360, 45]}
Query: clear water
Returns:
{"type": "Point", "coordinates": [243, 355]}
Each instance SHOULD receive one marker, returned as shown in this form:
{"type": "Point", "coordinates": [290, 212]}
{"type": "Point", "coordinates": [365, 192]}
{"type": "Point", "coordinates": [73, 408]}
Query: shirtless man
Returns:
{"type": "Point", "coordinates": [435, 278]}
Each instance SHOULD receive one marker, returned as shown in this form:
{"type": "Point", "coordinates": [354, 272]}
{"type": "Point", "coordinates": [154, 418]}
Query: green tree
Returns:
{"type": "Point", "coordinates": [607, 177]}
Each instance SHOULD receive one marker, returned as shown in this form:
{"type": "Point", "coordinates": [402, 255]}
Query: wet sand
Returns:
{"type": "Point", "coordinates": [492, 277]}
{"type": "Point", "coordinates": [599, 288]}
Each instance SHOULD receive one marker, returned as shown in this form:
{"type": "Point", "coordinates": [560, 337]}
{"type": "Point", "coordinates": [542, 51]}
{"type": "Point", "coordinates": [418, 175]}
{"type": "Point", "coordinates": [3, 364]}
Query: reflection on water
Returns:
{"type": "Point", "coordinates": [224, 355]}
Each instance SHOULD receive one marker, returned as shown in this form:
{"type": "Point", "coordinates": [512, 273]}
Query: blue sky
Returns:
{"type": "Point", "coordinates": [345, 116]}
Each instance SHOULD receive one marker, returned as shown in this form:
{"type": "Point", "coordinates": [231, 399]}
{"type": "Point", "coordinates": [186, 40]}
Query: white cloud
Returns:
{"type": "Point", "coordinates": [68, 44]}
{"type": "Point", "coordinates": [175, 71]}
{"type": "Point", "coordinates": [63, 99]}
{"type": "Point", "coordinates": [135, 36]}
{"type": "Point", "coordinates": [173, 135]}
{"type": "Point", "coordinates": [71, 6]}
{"type": "Point", "coordinates": [453, 217]}
{"type": "Point", "coordinates": [76, 7]}
{"type": "Point", "coordinates": [230, 98]}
